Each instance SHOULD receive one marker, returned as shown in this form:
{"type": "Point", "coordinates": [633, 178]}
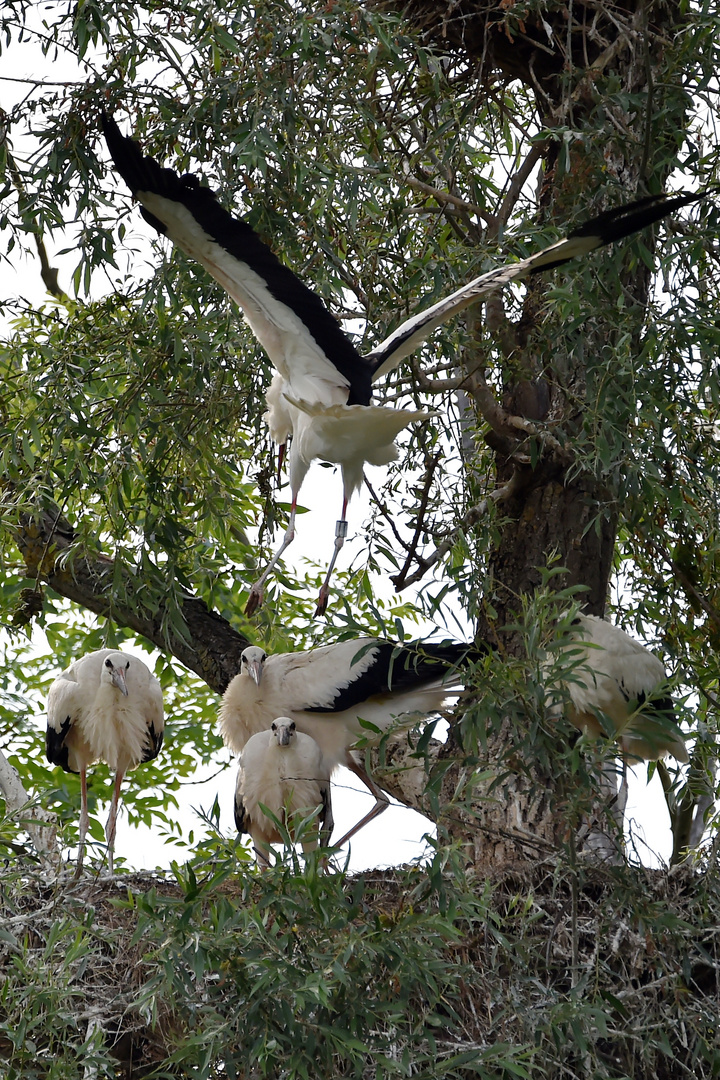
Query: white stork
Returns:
{"type": "Point", "coordinates": [330, 691]}
{"type": "Point", "coordinates": [613, 675]}
{"type": "Point", "coordinates": [326, 383]}
{"type": "Point", "coordinates": [284, 770]}
{"type": "Point", "coordinates": [106, 707]}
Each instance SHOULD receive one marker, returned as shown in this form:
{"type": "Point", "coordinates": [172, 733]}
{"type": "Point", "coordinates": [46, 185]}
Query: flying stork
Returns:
{"type": "Point", "coordinates": [331, 691]}
{"type": "Point", "coordinates": [324, 388]}
{"type": "Point", "coordinates": [613, 675]}
{"type": "Point", "coordinates": [106, 707]}
{"type": "Point", "coordinates": [283, 770]}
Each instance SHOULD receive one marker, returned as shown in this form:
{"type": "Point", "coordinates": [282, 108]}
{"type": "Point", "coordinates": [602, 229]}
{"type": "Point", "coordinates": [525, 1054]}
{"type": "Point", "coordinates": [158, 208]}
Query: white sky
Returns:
{"type": "Point", "coordinates": [395, 836]}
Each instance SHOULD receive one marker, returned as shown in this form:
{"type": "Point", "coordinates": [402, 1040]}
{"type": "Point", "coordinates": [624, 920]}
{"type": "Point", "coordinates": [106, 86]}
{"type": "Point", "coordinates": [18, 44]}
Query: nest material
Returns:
{"type": "Point", "coordinates": [521, 955]}
{"type": "Point", "coordinates": [538, 42]}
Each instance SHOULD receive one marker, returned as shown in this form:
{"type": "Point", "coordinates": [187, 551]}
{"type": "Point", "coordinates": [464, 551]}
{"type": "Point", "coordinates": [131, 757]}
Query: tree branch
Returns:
{"type": "Point", "coordinates": [206, 644]}
{"type": "Point", "coordinates": [470, 518]}
{"type": "Point", "coordinates": [40, 824]}
{"type": "Point", "coordinates": [48, 273]}
{"type": "Point", "coordinates": [505, 424]}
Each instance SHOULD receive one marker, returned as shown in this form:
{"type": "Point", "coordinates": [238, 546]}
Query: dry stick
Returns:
{"type": "Point", "coordinates": [536, 152]}
{"type": "Point", "coordinates": [470, 518]}
{"type": "Point", "coordinates": [420, 518]}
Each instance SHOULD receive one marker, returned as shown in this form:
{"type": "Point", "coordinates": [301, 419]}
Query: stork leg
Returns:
{"type": "Point", "coordinates": [256, 595]}
{"type": "Point", "coordinates": [341, 528]}
{"type": "Point", "coordinates": [112, 819]}
{"type": "Point", "coordinates": [84, 822]}
{"type": "Point", "coordinates": [381, 800]}
{"type": "Point", "coordinates": [261, 853]}
{"type": "Point", "coordinates": [281, 458]}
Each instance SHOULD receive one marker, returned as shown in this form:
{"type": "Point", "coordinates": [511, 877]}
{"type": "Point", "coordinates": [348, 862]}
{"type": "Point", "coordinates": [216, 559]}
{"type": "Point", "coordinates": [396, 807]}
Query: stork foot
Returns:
{"type": "Point", "coordinates": [322, 602]}
{"type": "Point", "coordinates": [254, 600]}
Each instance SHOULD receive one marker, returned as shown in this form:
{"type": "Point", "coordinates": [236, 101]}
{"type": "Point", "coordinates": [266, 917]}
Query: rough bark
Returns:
{"type": "Point", "coordinates": [554, 509]}
{"type": "Point", "coordinates": [206, 644]}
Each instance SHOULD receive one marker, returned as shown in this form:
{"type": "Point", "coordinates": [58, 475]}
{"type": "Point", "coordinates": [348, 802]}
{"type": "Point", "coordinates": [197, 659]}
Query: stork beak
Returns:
{"type": "Point", "coordinates": [118, 678]}
{"type": "Point", "coordinates": [255, 671]}
{"type": "Point", "coordinates": [281, 458]}
{"type": "Point", "coordinates": [284, 736]}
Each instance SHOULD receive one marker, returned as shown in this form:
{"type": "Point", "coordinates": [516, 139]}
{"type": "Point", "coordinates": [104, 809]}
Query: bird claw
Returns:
{"type": "Point", "coordinates": [322, 602]}
{"type": "Point", "coordinates": [254, 600]}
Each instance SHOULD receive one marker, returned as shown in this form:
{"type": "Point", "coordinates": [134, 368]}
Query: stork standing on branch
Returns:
{"type": "Point", "coordinates": [284, 771]}
{"type": "Point", "coordinates": [106, 707]}
{"type": "Point", "coordinates": [613, 676]}
{"type": "Point", "coordinates": [329, 692]}
{"type": "Point", "coordinates": [321, 397]}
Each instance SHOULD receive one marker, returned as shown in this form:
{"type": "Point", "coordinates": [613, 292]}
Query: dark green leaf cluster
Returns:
{"type": "Point", "coordinates": [307, 975]}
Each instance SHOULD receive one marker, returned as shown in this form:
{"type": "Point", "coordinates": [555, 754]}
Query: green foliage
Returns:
{"type": "Point", "coordinates": [222, 972]}
{"type": "Point", "coordinates": [134, 409]}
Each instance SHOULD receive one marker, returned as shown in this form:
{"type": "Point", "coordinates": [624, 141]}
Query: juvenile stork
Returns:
{"type": "Point", "coordinates": [324, 388]}
{"type": "Point", "coordinates": [106, 707]}
{"type": "Point", "coordinates": [283, 770]}
{"type": "Point", "coordinates": [329, 692]}
{"type": "Point", "coordinates": [613, 675]}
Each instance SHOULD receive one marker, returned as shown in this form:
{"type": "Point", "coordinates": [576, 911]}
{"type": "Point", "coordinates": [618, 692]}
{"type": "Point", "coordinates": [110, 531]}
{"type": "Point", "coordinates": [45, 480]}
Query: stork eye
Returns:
{"type": "Point", "coordinates": [108, 663]}
{"type": "Point", "coordinates": [127, 665]}
{"type": "Point", "coordinates": [274, 727]}
{"type": "Point", "coordinates": [292, 726]}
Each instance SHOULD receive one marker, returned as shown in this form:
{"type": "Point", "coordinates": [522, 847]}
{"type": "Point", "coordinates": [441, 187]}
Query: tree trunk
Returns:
{"type": "Point", "coordinates": [556, 505]}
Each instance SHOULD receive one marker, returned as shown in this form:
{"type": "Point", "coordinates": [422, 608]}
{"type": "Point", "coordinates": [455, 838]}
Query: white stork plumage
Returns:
{"type": "Point", "coordinates": [326, 383]}
{"type": "Point", "coordinates": [614, 675]}
{"type": "Point", "coordinates": [106, 707]}
{"type": "Point", "coordinates": [284, 770]}
{"type": "Point", "coordinates": [330, 691]}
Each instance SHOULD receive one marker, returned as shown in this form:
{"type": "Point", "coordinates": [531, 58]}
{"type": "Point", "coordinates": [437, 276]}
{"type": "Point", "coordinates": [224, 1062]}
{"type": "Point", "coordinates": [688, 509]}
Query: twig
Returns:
{"type": "Point", "coordinates": [441, 196]}
{"type": "Point", "coordinates": [420, 518]}
{"type": "Point", "coordinates": [48, 273]}
{"type": "Point", "coordinates": [536, 152]}
{"type": "Point", "coordinates": [469, 519]}
{"type": "Point", "coordinates": [43, 82]}
{"type": "Point", "coordinates": [382, 507]}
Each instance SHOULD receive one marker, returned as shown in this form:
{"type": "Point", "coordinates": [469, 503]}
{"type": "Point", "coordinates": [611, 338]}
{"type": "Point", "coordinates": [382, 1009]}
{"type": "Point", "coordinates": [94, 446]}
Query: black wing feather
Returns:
{"type": "Point", "coordinates": [154, 744]}
{"type": "Point", "coordinates": [143, 173]}
{"type": "Point", "coordinates": [397, 668]}
{"type": "Point", "coordinates": [241, 822]}
{"type": "Point", "coordinates": [55, 749]}
{"type": "Point", "coordinates": [621, 221]}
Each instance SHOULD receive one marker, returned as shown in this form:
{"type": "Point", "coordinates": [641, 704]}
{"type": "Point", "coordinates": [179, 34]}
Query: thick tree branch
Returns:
{"type": "Point", "coordinates": [505, 424]}
{"type": "Point", "coordinates": [207, 644]}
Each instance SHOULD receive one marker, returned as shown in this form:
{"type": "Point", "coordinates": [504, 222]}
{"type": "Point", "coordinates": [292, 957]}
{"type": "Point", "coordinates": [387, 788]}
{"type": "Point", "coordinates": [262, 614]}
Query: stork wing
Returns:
{"type": "Point", "coordinates": [242, 822]}
{"type": "Point", "coordinates": [63, 705]}
{"type": "Point", "coordinates": [291, 322]}
{"type": "Point", "coordinates": [606, 228]}
{"type": "Point", "coordinates": [343, 676]}
{"type": "Point", "coordinates": [153, 711]}
{"type": "Point", "coordinates": [327, 822]}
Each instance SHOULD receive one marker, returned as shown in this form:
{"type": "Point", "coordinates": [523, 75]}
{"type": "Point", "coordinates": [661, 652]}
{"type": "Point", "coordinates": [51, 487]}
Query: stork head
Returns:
{"type": "Point", "coordinates": [251, 661]}
{"type": "Point", "coordinates": [284, 730]}
{"type": "Point", "coordinates": [114, 671]}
